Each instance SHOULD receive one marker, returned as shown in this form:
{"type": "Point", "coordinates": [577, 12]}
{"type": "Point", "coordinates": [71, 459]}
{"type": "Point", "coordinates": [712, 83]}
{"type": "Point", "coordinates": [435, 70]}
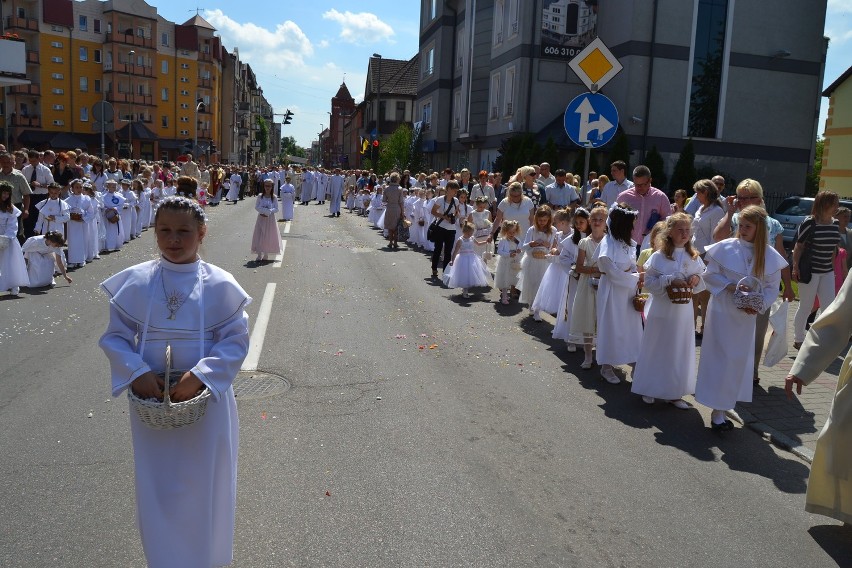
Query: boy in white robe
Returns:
{"type": "Point", "coordinates": [53, 213]}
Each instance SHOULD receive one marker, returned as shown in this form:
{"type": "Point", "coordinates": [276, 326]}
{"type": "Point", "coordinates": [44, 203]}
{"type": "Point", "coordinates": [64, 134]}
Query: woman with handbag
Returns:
{"type": "Point", "coordinates": [443, 229]}
{"type": "Point", "coordinates": [813, 259]}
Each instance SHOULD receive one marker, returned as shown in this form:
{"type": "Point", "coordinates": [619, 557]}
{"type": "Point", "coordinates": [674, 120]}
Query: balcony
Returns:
{"type": "Point", "coordinates": [243, 108]}
{"type": "Point", "coordinates": [205, 82]}
{"type": "Point", "coordinates": [242, 132]}
{"type": "Point", "coordinates": [32, 57]}
{"type": "Point", "coordinates": [129, 69]}
{"type": "Point", "coordinates": [33, 90]}
{"type": "Point", "coordinates": [204, 56]}
{"type": "Point", "coordinates": [255, 144]}
{"type": "Point", "coordinates": [129, 38]}
{"type": "Point", "coordinates": [204, 133]}
{"type": "Point", "coordinates": [130, 98]}
{"type": "Point", "coordinates": [32, 121]}
{"type": "Point", "coordinates": [15, 23]}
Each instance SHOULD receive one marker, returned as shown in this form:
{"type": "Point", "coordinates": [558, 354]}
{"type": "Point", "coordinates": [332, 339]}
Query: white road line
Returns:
{"type": "Point", "coordinates": [278, 258]}
{"type": "Point", "coordinates": [259, 332]}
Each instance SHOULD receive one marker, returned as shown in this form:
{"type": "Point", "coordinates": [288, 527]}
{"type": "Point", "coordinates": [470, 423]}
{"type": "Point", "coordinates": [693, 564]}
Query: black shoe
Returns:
{"type": "Point", "coordinates": [723, 427]}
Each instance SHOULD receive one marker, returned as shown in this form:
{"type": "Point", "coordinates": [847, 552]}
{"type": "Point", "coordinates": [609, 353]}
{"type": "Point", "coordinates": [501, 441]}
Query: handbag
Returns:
{"type": "Point", "coordinates": [806, 260]}
{"type": "Point", "coordinates": [432, 231]}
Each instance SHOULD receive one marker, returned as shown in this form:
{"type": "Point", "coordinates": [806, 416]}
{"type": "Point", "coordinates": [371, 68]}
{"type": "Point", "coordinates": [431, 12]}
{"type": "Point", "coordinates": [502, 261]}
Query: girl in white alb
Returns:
{"type": "Point", "coordinates": [583, 324]}
{"type": "Point", "coordinates": [95, 229]}
{"type": "Point", "coordinates": [539, 240]}
{"type": "Point", "coordinates": [508, 263]}
{"type": "Point", "coordinates": [52, 212]}
{"type": "Point", "coordinates": [44, 259]}
{"type": "Point", "coordinates": [568, 258]}
{"type": "Point", "coordinates": [186, 477]}
{"type": "Point", "coordinates": [726, 369]}
{"type": "Point", "coordinates": [554, 279]}
{"type": "Point", "coordinates": [666, 366]}
{"type": "Point", "coordinates": [81, 212]}
{"type": "Point", "coordinates": [481, 219]}
{"type": "Point", "coordinates": [468, 270]}
{"type": "Point", "coordinates": [13, 268]}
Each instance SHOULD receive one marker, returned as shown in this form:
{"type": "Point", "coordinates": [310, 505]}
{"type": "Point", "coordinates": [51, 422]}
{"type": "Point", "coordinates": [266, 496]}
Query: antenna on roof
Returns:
{"type": "Point", "coordinates": [197, 11]}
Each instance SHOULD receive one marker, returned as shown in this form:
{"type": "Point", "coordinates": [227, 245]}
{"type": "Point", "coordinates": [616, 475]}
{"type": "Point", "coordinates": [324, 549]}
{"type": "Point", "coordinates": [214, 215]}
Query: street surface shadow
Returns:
{"type": "Point", "coordinates": [764, 409]}
{"type": "Point", "coordinates": [836, 541]}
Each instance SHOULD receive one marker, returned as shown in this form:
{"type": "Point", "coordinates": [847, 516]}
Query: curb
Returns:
{"type": "Point", "coordinates": [767, 432]}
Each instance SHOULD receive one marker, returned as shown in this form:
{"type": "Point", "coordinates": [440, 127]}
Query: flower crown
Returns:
{"type": "Point", "coordinates": [626, 211]}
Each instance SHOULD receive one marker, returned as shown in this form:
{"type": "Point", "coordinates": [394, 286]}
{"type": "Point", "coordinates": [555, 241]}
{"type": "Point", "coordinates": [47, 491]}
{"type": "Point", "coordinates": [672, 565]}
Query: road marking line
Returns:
{"type": "Point", "coordinates": [278, 258]}
{"type": "Point", "coordinates": [259, 332]}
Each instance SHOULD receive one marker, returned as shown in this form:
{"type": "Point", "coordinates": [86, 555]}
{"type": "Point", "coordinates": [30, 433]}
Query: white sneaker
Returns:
{"type": "Point", "coordinates": [571, 348]}
{"type": "Point", "coordinates": [16, 290]}
{"type": "Point", "coordinates": [609, 375]}
{"type": "Point", "coordinates": [648, 399]}
{"type": "Point", "coordinates": [587, 364]}
{"type": "Point", "coordinates": [680, 403]}
{"type": "Point", "coordinates": [536, 316]}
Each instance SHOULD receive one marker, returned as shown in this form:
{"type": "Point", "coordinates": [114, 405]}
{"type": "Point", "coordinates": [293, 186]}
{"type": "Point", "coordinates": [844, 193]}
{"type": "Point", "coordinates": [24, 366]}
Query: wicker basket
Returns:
{"type": "Point", "coordinates": [111, 215]}
{"type": "Point", "coordinates": [76, 216]}
{"type": "Point", "coordinates": [165, 414]}
{"type": "Point", "coordinates": [639, 300]}
{"type": "Point", "coordinates": [679, 294]}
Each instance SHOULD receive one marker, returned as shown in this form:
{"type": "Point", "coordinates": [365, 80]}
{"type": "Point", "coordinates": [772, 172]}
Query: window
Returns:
{"type": "Point", "coordinates": [164, 66]}
{"type": "Point", "coordinates": [22, 13]}
{"type": "Point", "coordinates": [433, 9]}
{"type": "Point", "coordinates": [56, 60]}
{"type": "Point", "coordinates": [184, 105]}
{"type": "Point", "coordinates": [140, 32]}
{"type": "Point", "coordinates": [96, 26]}
{"type": "Point", "coordinates": [84, 23]}
{"type": "Point", "coordinates": [57, 76]}
{"type": "Point", "coordinates": [56, 44]}
{"type": "Point", "coordinates": [513, 17]}
{"type": "Point", "coordinates": [499, 12]}
{"type": "Point", "coordinates": [429, 62]}
{"type": "Point", "coordinates": [184, 119]}
{"type": "Point", "coordinates": [184, 65]}
{"type": "Point", "coordinates": [427, 113]}
{"type": "Point", "coordinates": [184, 132]}
{"type": "Point", "coordinates": [84, 84]}
{"type": "Point", "coordinates": [165, 121]}
{"type": "Point", "coordinates": [460, 51]}
{"type": "Point", "coordinates": [58, 123]}
{"type": "Point", "coordinates": [184, 52]}
{"type": "Point", "coordinates": [709, 57]}
{"type": "Point", "coordinates": [400, 111]}
{"type": "Point", "coordinates": [97, 56]}
{"type": "Point", "coordinates": [510, 92]}
{"type": "Point", "coordinates": [97, 85]}
{"type": "Point", "coordinates": [84, 114]}
{"type": "Point", "coordinates": [58, 107]}
{"type": "Point", "coordinates": [457, 110]}
{"type": "Point", "coordinates": [84, 54]}
{"type": "Point", "coordinates": [164, 39]}
{"type": "Point", "coordinates": [184, 80]}
{"type": "Point", "coordinates": [495, 97]}
{"type": "Point", "coordinates": [59, 29]}
{"type": "Point", "coordinates": [165, 94]}
{"type": "Point", "coordinates": [184, 93]}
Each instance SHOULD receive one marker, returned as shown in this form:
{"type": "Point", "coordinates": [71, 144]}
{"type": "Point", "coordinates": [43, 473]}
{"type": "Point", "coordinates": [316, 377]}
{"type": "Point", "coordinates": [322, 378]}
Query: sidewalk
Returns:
{"type": "Point", "coordinates": [791, 424]}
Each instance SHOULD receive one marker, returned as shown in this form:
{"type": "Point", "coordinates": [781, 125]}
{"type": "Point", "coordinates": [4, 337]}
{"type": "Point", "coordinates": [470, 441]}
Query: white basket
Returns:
{"type": "Point", "coordinates": [749, 294]}
{"type": "Point", "coordinates": [165, 414]}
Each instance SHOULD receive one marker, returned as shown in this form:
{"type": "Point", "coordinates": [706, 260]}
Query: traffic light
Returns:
{"type": "Point", "coordinates": [375, 143]}
{"type": "Point", "coordinates": [288, 117]}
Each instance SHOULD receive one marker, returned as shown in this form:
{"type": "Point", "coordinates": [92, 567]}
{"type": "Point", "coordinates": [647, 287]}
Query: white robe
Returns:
{"type": "Point", "coordinates": [726, 369]}
{"type": "Point", "coordinates": [619, 325]}
{"type": "Point", "coordinates": [666, 366]}
{"type": "Point", "coordinates": [78, 231]}
{"type": "Point", "coordinates": [185, 478]}
{"type": "Point", "coordinates": [335, 189]}
{"type": "Point", "coordinates": [13, 268]}
{"type": "Point", "coordinates": [113, 232]}
{"type": "Point", "coordinates": [288, 196]}
{"type": "Point", "coordinates": [129, 215]}
{"type": "Point", "coordinates": [41, 261]}
{"type": "Point", "coordinates": [55, 208]}
{"type": "Point", "coordinates": [567, 257]}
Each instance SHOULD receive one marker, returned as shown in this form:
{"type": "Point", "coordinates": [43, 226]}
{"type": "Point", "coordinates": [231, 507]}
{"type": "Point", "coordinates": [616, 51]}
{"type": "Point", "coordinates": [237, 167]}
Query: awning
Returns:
{"type": "Point", "coordinates": [171, 144]}
{"type": "Point", "coordinates": [28, 137]}
{"type": "Point", "coordinates": [66, 141]}
{"type": "Point", "coordinates": [140, 132]}
{"type": "Point", "coordinates": [59, 140]}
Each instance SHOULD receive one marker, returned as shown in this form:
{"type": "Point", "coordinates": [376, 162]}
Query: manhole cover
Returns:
{"type": "Point", "coordinates": [256, 384]}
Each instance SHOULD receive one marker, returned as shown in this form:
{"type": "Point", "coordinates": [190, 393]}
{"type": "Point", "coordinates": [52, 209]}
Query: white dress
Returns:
{"type": "Point", "coordinates": [549, 294]}
{"type": "Point", "coordinates": [114, 232]}
{"type": "Point", "coordinates": [233, 190]}
{"type": "Point", "coordinates": [666, 366]}
{"type": "Point", "coordinates": [78, 231]}
{"type": "Point", "coordinates": [726, 369]}
{"type": "Point", "coordinates": [288, 195]}
{"type": "Point", "coordinates": [584, 317]}
{"type": "Point", "coordinates": [13, 268]}
{"type": "Point", "coordinates": [468, 269]}
{"type": "Point", "coordinates": [41, 261]}
{"type": "Point", "coordinates": [482, 221]}
{"type": "Point", "coordinates": [508, 267]}
{"type": "Point", "coordinates": [376, 210]}
{"type": "Point", "coordinates": [55, 208]}
{"type": "Point", "coordinates": [567, 258]}
{"type": "Point", "coordinates": [188, 521]}
{"type": "Point", "coordinates": [532, 268]}
{"type": "Point", "coordinates": [619, 324]}
{"type": "Point", "coordinates": [128, 215]}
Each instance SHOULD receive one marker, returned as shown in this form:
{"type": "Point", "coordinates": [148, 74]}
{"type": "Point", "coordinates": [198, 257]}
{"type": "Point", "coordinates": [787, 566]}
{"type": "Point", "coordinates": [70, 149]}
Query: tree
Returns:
{"type": "Point", "coordinates": [550, 154]}
{"type": "Point", "coordinates": [516, 151]}
{"type": "Point", "coordinates": [417, 162]}
{"type": "Point", "coordinates": [290, 148]}
{"type": "Point", "coordinates": [654, 161]}
{"type": "Point", "coordinates": [685, 175]}
{"type": "Point", "coordinates": [395, 150]}
{"type": "Point", "coordinates": [812, 179]}
{"type": "Point", "coordinates": [262, 134]}
{"type": "Point", "coordinates": [620, 150]}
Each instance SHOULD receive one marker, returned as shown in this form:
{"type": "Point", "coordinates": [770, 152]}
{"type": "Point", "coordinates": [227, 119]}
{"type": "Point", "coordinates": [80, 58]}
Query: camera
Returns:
{"type": "Point", "coordinates": [452, 218]}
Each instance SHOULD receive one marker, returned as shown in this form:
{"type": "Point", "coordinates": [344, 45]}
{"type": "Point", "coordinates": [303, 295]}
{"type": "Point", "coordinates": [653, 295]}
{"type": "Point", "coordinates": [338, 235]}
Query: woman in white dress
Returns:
{"type": "Point", "coordinates": [288, 197]}
{"type": "Point", "coordinates": [44, 259]}
{"type": "Point", "coordinates": [13, 268]}
{"type": "Point", "coordinates": [619, 324]}
{"type": "Point", "coordinates": [266, 238]}
{"type": "Point", "coordinates": [81, 212]}
{"type": "Point", "coordinates": [726, 369]}
{"type": "Point", "coordinates": [583, 324]}
{"type": "Point", "coordinates": [666, 365]}
{"type": "Point", "coordinates": [198, 309]}
{"type": "Point", "coordinates": [569, 249]}
{"type": "Point", "coordinates": [539, 240]}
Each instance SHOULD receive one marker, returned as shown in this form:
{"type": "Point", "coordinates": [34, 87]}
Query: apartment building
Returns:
{"type": "Point", "coordinates": [742, 81]}
{"type": "Point", "coordinates": [163, 80]}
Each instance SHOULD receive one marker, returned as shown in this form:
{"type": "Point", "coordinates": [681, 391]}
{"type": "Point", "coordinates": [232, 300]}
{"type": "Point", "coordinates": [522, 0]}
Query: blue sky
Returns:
{"type": "Point", "coordinates": [301, 51]}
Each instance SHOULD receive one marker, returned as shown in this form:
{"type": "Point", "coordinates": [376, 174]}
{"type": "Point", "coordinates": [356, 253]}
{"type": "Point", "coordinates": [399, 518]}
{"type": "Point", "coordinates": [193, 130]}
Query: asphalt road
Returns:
{"type": "Point", "coordinates": [420, 430]}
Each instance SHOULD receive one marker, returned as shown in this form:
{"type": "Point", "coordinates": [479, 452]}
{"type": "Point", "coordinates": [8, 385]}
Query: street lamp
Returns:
{"type": "Point", "coordinates": [379, 98]}
{"type": "Point", "coordinates": [199, 105]}
{"type": "Point", "coordinates": [132, 56]}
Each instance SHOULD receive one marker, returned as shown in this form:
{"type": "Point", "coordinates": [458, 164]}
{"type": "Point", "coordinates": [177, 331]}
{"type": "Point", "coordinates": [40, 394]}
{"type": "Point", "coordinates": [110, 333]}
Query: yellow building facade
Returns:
{"type": "Point", "coordinates": [836, 174]}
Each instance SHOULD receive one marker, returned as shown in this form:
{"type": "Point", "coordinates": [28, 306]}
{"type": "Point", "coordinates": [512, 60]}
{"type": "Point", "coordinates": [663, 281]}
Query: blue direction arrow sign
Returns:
{"type": "Point", "coordinates": [591, 120]}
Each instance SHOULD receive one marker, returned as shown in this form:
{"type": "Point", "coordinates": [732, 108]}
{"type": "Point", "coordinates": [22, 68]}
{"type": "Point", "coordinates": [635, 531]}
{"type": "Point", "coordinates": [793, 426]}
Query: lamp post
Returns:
{"type": "Point", "coordinates": [132, 55]}
{"type": "Point", "coordinates": [379, 98]}
{"type": "Point", "coordinates": [199, 104]}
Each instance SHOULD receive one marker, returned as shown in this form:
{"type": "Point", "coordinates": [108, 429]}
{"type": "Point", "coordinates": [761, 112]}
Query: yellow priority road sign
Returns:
{"type": "Point", "coordinates": [595, 65]}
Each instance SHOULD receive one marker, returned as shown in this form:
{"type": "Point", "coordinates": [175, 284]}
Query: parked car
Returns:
{"type": "Point", "coordinates": [793, 211]}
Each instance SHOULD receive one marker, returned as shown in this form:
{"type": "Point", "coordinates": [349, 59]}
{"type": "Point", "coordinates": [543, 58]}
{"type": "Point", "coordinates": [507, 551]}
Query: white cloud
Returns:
{"type": "Point", "coordinates": [282, 48]}
{"type": "Point", "coordinates": [839, 6]}
{"type": "Point", "coordinates": [323, 44]}
{"type": "Point", "coordinates": [361, 28]}
{"type": "Point", "coordinates": [837, 37]}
